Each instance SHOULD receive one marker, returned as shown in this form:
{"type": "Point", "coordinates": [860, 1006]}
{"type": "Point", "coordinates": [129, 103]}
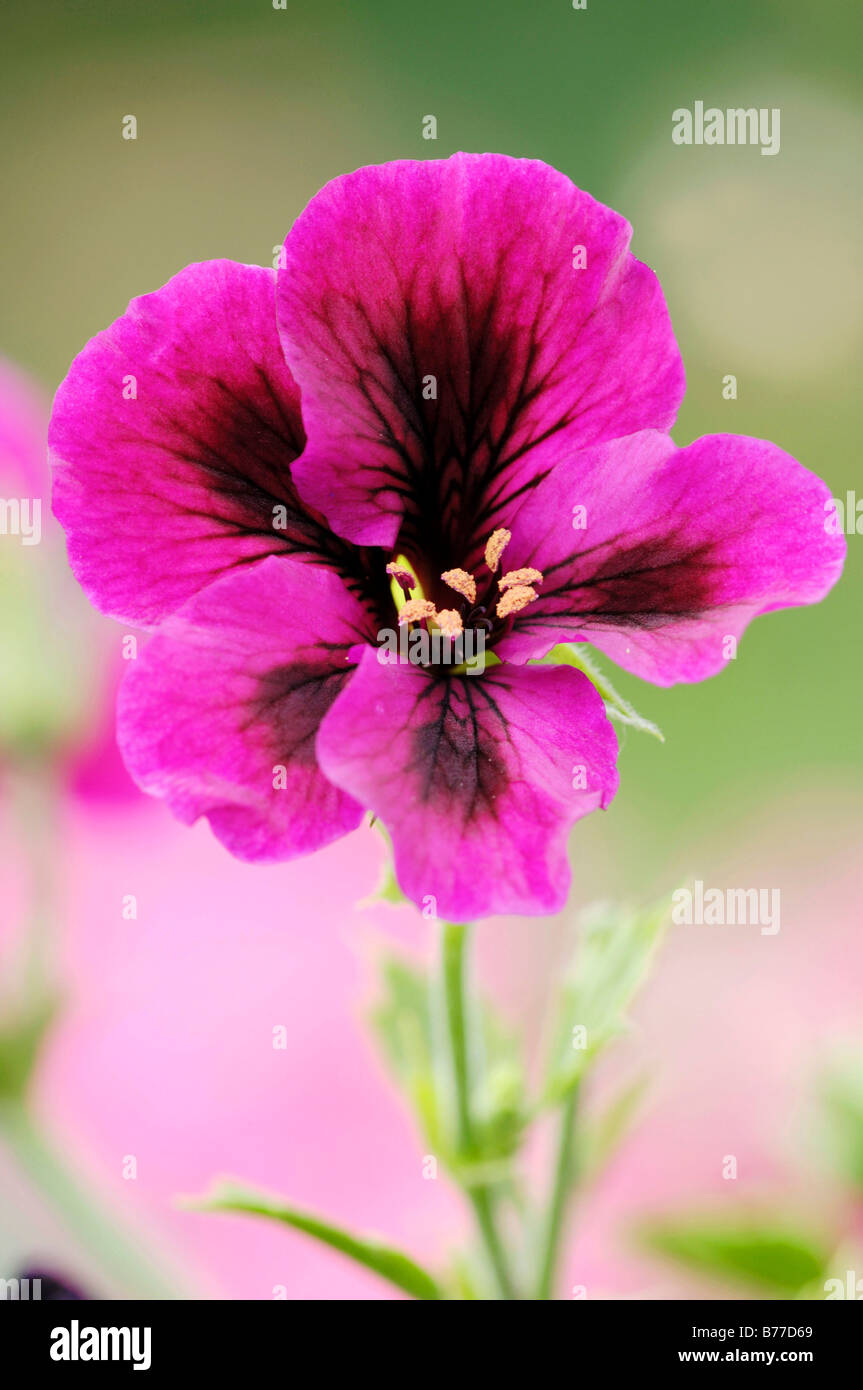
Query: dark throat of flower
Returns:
{"type": "Point", "coordinates": [515, 590]}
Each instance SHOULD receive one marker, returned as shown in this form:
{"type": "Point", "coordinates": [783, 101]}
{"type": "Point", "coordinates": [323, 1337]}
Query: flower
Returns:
{"type": "Point", "coordinates": [450, 405]}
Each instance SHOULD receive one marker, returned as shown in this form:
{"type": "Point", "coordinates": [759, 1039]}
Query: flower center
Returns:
{"type": "Point", "coordinates": [516, 589]}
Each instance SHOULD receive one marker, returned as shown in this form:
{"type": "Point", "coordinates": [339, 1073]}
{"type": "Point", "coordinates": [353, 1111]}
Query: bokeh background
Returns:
{"type": "Point", "coordinates": [163, 1048]}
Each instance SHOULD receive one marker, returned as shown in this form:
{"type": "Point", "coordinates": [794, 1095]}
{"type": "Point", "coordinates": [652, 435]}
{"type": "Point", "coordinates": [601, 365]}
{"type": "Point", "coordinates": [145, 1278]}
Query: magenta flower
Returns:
{"type": "Point", "coordinates": [460, 375]}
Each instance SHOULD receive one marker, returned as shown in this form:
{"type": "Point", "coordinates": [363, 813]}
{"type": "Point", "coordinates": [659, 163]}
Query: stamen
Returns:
{"type": "Point", "coordinates": [462, 582]}
{"type": "Point", "coordinates": [415, 610]}
{"type": "Point", "coordinates": [515, 599]}
{"type": "Point", "coordinates": [449, 622]}
{"type": "Point", "coordinates": [495, 546]}
{"type": "Point", "coordinates": [524, 576]}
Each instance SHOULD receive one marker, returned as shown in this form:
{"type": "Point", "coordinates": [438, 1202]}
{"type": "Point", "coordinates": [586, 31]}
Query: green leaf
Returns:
{"type": "Point", "coordinates": [499, 1111]}
{"type": "Point", "coordinates": [21, 1039]}
{"type": "Point", "coordinates": [499, 1099]}
{"type": "Point", "coordinates": [616, 947]}
{"type": "Point", "coordinates": [603, 1136]}
{"type": "Point", "coordinates": [402, 1024]}
{"type": "Point", "coordinates": [390, 1264]}
{"type": "Point", "coordinates": [616, 707]}
{"type": "Point", "coordinates": [768, 1255]}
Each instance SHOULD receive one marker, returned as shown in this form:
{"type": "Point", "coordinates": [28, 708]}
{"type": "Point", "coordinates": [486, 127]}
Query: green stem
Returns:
{"type": "Point", "coordinates": [122, 1260]}
{"type": "Point", "coordinates": [453, 952]}
{"type": "Point", "coordinates": [453, 949]}
{"type": "Point", "coordinates": [483, 1206]}
{"type": "Point", "coordinates": [561, 1190]}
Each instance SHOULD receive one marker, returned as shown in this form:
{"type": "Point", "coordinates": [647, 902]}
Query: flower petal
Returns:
{"type": "Point", "coordinates": [172, 437]}
{"type": "Point", "coordinates": [232, 689]}
{"type": "Point", "coordinates": [674, 552]}
{"type": "Point", "coordinates": [455, 279]}
{"type": "Point", "coordinates": [477, 778]}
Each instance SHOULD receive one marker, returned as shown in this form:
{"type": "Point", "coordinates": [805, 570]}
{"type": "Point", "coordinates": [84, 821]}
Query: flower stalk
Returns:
{"type": "Point", "coordinates": [454, 939]}
{"type": "Point", "coordinates": [563, 1178]}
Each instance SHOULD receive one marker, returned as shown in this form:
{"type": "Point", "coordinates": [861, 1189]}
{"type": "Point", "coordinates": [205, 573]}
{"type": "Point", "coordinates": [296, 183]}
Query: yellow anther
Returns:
{"type": "Point", "coordinates": [462, 582]}
{"type": "Point", "coordinates": [495, 546]}
{"type": "Point", "coordinates": [525, 576]}
{"type": "Point", "coordinates": [515, 599]}
{"type": "Point", "coordinates": [449, 622]}
{"type": "Point", "coordinates": [415, 609]}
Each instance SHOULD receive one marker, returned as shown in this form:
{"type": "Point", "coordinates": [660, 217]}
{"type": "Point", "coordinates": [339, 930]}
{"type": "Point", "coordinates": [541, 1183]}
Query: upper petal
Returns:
{"type": "Point", "coordinates": [220, 712]}
{"type": "Point", "coordinates": [172, 438]}
{"type": "Point", "coordinates": [448, 350]}
{"type": "Point", "coordinates": [477, 778]}
{"type": "Point", "coordinates": [659, 555]}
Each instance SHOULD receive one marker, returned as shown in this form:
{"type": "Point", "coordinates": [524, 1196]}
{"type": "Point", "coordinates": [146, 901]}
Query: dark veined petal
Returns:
{"type": "Point", "coordinates": [220, 712]}
{"type": "Point", "coordinates": [451, 347]}
{"type": "Point", "coordinates": [659, 555]}
{"type": "Point", "coordinates": [477, 778]}
{"type": "Point", "coordinates": [172, 438]}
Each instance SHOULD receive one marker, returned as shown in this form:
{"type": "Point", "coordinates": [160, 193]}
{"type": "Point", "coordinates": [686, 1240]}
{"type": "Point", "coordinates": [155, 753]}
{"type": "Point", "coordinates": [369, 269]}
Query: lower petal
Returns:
{"type": "Point", "coordinates": [219, 714]}
{"type": "Point", "coordinates": [477, 778]}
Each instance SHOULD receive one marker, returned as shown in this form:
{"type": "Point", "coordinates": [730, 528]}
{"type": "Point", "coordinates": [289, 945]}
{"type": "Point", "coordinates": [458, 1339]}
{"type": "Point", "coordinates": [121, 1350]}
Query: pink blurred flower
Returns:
{"type": "Point", "coordinates": [60, 670]}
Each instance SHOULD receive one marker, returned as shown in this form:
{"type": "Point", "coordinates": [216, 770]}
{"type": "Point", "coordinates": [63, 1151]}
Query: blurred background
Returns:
{"type": "Point", "coordinates": [161, 1050]}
